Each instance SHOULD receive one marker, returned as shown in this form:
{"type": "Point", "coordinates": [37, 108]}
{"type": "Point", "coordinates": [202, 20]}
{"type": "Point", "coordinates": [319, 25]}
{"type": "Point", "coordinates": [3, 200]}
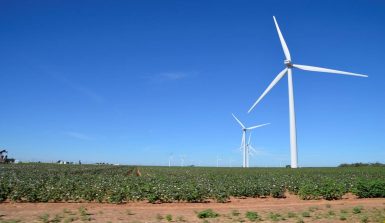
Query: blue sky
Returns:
{"type": "Point", "coordinates": [136, 82]}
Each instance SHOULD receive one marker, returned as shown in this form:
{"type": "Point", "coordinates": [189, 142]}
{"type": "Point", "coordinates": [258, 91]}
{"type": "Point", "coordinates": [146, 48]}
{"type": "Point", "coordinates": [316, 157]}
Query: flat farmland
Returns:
{"type": "Point", "coordinates": [103, 193]}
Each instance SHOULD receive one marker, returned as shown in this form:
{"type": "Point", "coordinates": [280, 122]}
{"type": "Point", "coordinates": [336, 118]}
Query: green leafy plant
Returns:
{"type": "Point", "coordinates": [370, 188]}
{"type": "Point", "coordinates": [41, 182]}
{"type": "Point", "coordinates": [252, 216]}
{"type": "Point", "coordinates": [208, 213]}
{"type": "Point", "coordinates": [357, 209]}
{"type": "Point", "coordinates": [343, 217]}
{"type": "Point", "coordinates": [275, 216]}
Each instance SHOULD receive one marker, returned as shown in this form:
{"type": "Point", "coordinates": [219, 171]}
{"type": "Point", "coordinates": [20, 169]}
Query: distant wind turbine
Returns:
{"type": "Point", "coordinates": [169, 160]}
{"type": "Point", "coordinates": [218, 159]}
{"type": "Point", "coordinates": [289, 66]}
{"type": "Point", "coordinates": [250, 149]}
{"type": "Point", "coordinates": [244, 146]}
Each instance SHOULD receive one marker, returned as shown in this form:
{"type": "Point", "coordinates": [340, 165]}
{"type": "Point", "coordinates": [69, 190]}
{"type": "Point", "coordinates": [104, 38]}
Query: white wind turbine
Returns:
{"type": "Point", "coordinates": [250, 149]}
{"type": "Point", "coordinates": [289, 66]}
{"type": "Point", "coordinates": [244, 145]}
{"type": "Point", "coordinates": [218, 159]}
{"type": "Point", "coordinates": [170, 158]}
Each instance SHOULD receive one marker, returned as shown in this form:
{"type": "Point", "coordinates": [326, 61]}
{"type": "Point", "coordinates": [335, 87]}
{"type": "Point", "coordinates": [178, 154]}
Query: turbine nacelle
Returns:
{"type": "Point", "coordinates": [288, 63]}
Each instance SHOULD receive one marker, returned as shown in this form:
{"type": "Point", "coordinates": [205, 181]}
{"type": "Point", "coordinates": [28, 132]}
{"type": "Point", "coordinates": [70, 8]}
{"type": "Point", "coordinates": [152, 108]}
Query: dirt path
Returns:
{"type": "Point", "coordinates": [290, 209]}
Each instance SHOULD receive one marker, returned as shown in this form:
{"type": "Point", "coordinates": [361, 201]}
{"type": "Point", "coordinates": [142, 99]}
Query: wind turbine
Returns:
{"type": "Point", "coordinates": [218, 159]}
{"type": "Point", "coordinates": [169, 160]}
{"type": "Point", "coordinates": [244, 146]}
{"type": "Point", "coordinates": [182, 160]}
{"type": "Point", "coordinates": [288, 70]}
{"type": "Point", "coordinates": [251, 150]}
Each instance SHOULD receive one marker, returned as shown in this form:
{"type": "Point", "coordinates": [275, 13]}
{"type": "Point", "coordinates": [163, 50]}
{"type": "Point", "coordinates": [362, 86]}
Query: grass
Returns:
{"type": "Point", "coordinates": [343, 217]}
{"type": "Point", "coordinates": [312, 213]}
{"type": "Point", "coordinates": [377, 215]}
{"type": "Point", "coordinates": [357, 209]}
{"type": "Point", "coordinates": [180, 219]}
{"type": "Point", "coordinates": [84, 215]}
{"type": "Point", "coordinates": [364, 219]}
{"type": "Point", "coordinates": [252, 216]}
{"type": "Point", "coordinates": [305, 214]}
{"type": "Point", "coordinates": [169, 217]}
{"type": "Point", "coordinates": [291, 215]}
{"type": "Point", "coordinates": [276, 217]}
{"type": "Point", "coordinates": [235, 213]}
{"type": "Point", "coordinates": [331, 213]}
{"type": "Point", "coordinates": [208, 213]}
{"type": "Point", "coordinates": [57, 218]}
{"type": "Point", "coordinates": [11, 221]}
{"type": "Point", "coordinates": [44, 218]}
{"type": "Point", "coordinates": [313, 208]}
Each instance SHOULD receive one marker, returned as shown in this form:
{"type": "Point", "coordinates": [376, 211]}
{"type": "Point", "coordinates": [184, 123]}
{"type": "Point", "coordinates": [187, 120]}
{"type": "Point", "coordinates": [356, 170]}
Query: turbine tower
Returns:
{"type": "Point", "coordinates": [169, 160]}
{"type": "Point", "coordinates": [218, 159]}
{"type": "Point", "coordinates": [244, 145]}
{"type": "Point", "coordinates": [250, 149]}
{"type": "Point", "coordinates": [288, 70]}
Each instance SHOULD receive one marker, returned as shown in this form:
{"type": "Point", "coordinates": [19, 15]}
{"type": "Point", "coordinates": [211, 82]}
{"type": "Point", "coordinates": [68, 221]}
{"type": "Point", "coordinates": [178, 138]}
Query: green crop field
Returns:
{"type": "Point", "coordinates": [114, 184]}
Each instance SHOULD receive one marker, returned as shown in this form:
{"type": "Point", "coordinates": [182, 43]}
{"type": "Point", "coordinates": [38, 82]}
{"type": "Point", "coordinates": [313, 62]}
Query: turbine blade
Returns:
{"type": "Point", "coordinates": [272, 84]}
{"type": "Point", "coordinates": [283, 43]}
{"type": "Point", "coordinates": [241, 143]}
{"type": "Point", "coordinates": [238, 121]}
{"type": "Point", "coordinates": [252, 151]}
{"type": "Point", "coordinates": [257, 126]}
{"type": "Point", "coordinates": [326, 70]}
{"type": "Point", "coordinates": [249, 139]}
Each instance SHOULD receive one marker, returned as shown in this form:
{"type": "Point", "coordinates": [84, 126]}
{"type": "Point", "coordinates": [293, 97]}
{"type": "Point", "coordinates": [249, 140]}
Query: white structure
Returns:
{"type": "Point", "coordinates": [218, 159]}
{"type": "Point", "coordinates": [288, 70]}
{"type": "Point", "coordinates": [244, 145]}
{"type": "Point", "coordinates": [169, 160]}
{"type": "Point", "coordinates": [250, 149]}
{"type": "Point", "coordinates": [182, 160]}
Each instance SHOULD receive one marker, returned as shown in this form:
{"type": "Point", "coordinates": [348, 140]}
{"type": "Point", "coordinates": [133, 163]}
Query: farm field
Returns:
{"type": "Point", "coordinates": [103, 193]}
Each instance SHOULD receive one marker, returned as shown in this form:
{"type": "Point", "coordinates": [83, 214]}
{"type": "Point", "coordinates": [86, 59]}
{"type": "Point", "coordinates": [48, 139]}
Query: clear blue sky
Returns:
{"type": "Point", "coordinates": [136, 81]}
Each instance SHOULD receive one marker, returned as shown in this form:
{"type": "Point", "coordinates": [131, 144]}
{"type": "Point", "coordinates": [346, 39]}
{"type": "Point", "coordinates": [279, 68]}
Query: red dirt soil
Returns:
{"type": "Point", "coordinates": [146, 212]}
